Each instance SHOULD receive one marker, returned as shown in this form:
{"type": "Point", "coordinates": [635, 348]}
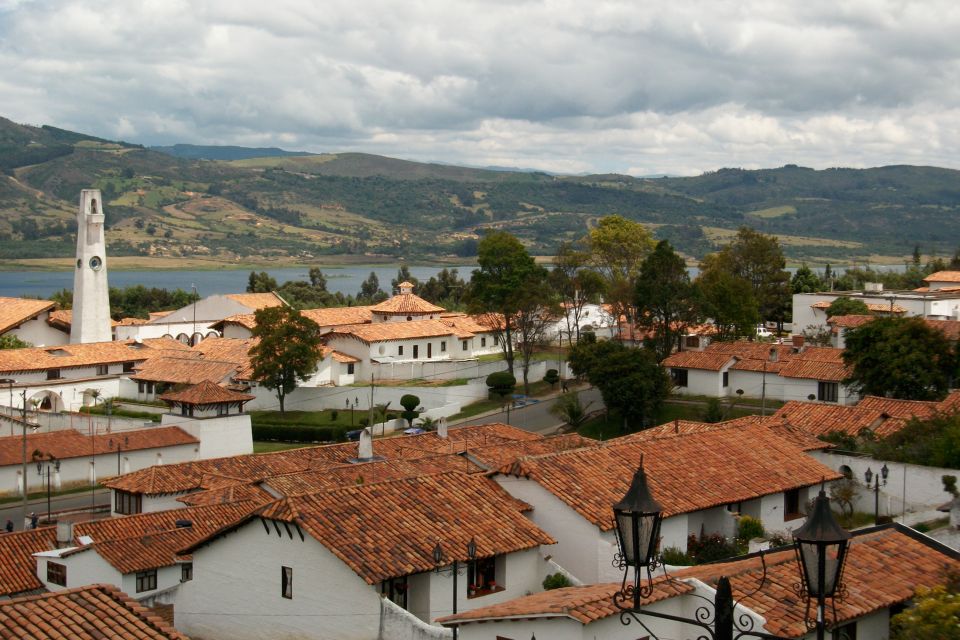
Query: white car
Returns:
{"type": "Point", "coordinates": [763, 332]}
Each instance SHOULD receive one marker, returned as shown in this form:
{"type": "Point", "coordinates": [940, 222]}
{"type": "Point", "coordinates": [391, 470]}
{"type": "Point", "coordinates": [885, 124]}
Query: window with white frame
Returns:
{"type": "Point", "coordinates": [286, 582]}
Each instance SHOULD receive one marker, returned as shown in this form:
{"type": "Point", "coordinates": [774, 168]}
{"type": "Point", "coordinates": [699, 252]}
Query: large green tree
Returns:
{"type": "Point", "coordinates": [728, 301]}
{"type": "Point", "coordinates": [499, 286]}
{"type": "Point", "coordinates": [630, 379]}
{"type": "Point", "coordinates": [666, 299]}
{"type": "Point", "coordinates": [287, 350]}
{"type": "Point", "coordinates": [806, 281]}
{"type": "Point", "coordinates": [537, 310]}
{"type": "Point", "coordinates": [847, 307]}
{"type": "Point", "coordinates": [617, 248]}
{"type": "Point", "coordinates": [933, 614]}
{"type": "Point", "coordinates": [902, 358]}
{"type": "Point", "coordinates": [576, 284]}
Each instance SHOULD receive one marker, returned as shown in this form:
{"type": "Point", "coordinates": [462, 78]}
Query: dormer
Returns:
{"type": "Point", "coordinates": [206, 400]}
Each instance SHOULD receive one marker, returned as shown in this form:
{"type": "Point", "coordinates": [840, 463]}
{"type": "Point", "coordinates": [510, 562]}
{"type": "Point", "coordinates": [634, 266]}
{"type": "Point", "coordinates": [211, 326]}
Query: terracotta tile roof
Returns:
{"type": "Point", "coordinates": [949, 328]}
{"type": "Point", "coordinates": [328, 478]}
{"type": "Point", "coordinates": [86, 355]}
{"type": "Point", "coordinates": [147, 551]}
{"type": "Point", "coordinates": [205, 393]}
{"type": "Point", "coordinates": [873, 307]}
{"type": "Point", "coordinates": [465, 326]}
{"type": "Point", "coordinates": [238, 491]}
{"type": "Point", "coordinates": [698, 360]}
{"type": "Point", "coordinates": [905, 409]}
{"type": "Point", "coordinates": [815, 370]}
{"type": "Point", "coordinates": [95, 612]}
{"type": "Point", "coordinates": [797, 437]}
{"type": "Point", "coordinates": [188, 370]}
{"type": "Point", "coordinates": [338, 356]}
{"type": "Point", "coordinates": [585, 604]}
{"type": "Point", "coordinates": [495, 456]}
{"type": "Point", "coordinates": [590, 480]}
{"type": "Point", "coordinates": [884, 567]}
{"type": "Point", "coordinates": [205, 519]}
{"type": "Point", "coordinates": [336, 316]}
{"type": "Point", "coordinates": [235, 350]}
{"type": "Point", "coordinates": [389, 529]}
{"type": "Point", "coordinates": [849, 321]}
{"type": "Point", "coordinates": [405, 304]}
{"type": "Point", "coordinates": [189, 476]}
{"type": "Point", "coordinates": [943, 276]}
{"type": "Point", "coordinates": [70, 443]}
{"type": "Point", "coordinates": [246, 320]}
{"type": "Point", "coordinates": [18, 569]}
{"type": "Point", "coordinates": [131, 322]}
{"type": "Point", "coordinates": [16, 311]}
{"type": "Point", "coordinates": [820, 419]}
{"type": "Point", "coordinates": [385, 331]}
{"type": "Point", "coordinates": [257, 301]}
{"type": "Point", "coordinates": [63, 319]}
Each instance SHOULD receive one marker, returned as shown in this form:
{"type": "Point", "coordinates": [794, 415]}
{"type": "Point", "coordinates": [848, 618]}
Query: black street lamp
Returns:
{"type": "Point", "coordinates": [41, 464]}
{"type": "Point", "coordinates": [820, 546]}
{"type": "Point", "coordinates": [879, 480]}
{"type": "Point", "coordinates": [126, 442]}
{"type": "Point", "coordinates": [455, 569]}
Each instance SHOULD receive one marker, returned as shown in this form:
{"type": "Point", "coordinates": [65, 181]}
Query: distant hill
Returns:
{"type": "Point", "coordinates": [226, 152]}
{"type": "Point", "coordinates": [295, 206]}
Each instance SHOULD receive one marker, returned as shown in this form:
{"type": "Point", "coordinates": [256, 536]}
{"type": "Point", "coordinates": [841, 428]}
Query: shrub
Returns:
{"type": "Point", "coordinates": [292, 433]}
{"type": "Point", "coordinates": [333, 415]}
{"type": "Point", "coordinates": [709, 548]}
{"type": "Point", "coordinates": [501, 383]}
{"type": "Point", "coordinates": [673, 556]}
{"type": "Point", "coordinates": [713, 411]}
{"type": "Point", "coordinates": [556, 581]}
{"type": "Point", "coordinates": [552, 377]}
{"type": "Point", "coordinates": [749, 528]}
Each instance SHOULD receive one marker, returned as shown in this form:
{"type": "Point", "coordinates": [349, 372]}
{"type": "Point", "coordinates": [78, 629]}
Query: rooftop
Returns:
{"type": "Point", "coordinates": [70, 443]}
{"type": "Point", "coordinates": [95, 612]}
{"type": "Point", "coordinates": [943, 276]}
{"type": "Point", "coordinates": [188, 369]}
{"type": "Point", "coordinates": [87, 355]}
{"type": "Point", "coordinates": [405, 303]}
{"type": "Point", "coordinates": [16, 311]}
{"type": "Point", "coordinates": [205, 393]}
{"type": "Point", "coordinates": [18, 571]}
{"type": "Point", "coordinates": [395, 539]}
{"type": "Point", "coordinates": [386, 331]}
{"type": "Point", "coordinates": [257, 301]}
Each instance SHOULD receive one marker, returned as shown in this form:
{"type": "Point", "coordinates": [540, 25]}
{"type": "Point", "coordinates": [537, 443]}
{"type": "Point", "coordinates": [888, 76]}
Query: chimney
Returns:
{"type": "Point", "coordinates": [64, 534]}
{"type": "Point", "coordinates": [442, 428]}
{"type": "Point", "coordinates": [797, 343]}
{"type": "Point", "coordinates": [366, 445]}
{"type": "Point", "coordinates": [774, 354]}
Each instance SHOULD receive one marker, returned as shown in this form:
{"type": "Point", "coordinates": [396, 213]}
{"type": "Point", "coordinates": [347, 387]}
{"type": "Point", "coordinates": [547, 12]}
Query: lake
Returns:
{"type": "Point", "coordinates": [16, 284]}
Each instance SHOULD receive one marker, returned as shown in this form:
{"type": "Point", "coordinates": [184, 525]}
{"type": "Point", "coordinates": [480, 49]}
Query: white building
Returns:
{"type": "Point", "coordinates": [29, 320]}
{"type": "Point", "coordinates": [935, 302]}
{"type": "Point", "coordinates": [91, 293]}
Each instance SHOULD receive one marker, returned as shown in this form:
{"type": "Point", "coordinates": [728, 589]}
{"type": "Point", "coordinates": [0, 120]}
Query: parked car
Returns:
{"type": "Point", "coordinates": [763, 332]}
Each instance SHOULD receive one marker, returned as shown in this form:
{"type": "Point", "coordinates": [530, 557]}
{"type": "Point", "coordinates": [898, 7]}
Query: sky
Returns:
{"type": "Point", "coordinates": [639, 87]}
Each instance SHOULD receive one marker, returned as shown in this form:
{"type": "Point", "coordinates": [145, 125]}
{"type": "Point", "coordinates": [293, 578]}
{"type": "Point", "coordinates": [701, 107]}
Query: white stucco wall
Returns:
{"type": "Point", "coordinates": [83, 568]}
{"type": "Point", "coordinates": [40, 334]}
{"type": "Point", "coordinates": [229, 435]}
{"type": "Point", "coordinates": [235, 593]}
{"type": "Point", "coordinates": [703, 383]}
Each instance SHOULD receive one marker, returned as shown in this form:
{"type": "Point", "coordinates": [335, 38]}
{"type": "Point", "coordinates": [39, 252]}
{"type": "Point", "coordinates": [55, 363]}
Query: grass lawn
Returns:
{"type": "Point", "coordinates": [267, 447]}
{"type": "Point", "coordinates": [325, 418]}
{"type": "Point", "coordinates": [604, 428]}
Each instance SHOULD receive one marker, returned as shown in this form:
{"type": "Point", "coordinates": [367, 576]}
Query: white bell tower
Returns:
{"type": "Point", "coordinates": [91, 296]}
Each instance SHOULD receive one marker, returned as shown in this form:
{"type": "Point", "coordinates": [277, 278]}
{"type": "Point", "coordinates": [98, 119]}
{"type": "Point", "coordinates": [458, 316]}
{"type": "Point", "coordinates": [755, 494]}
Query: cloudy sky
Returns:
{"type": "Point", "coordinates": [641, 87]}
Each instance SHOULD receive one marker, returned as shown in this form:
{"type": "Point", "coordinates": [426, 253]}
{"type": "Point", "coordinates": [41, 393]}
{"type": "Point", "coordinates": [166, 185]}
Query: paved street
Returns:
{"type": "Point", "coordinates": [536, 417]}
{"type": "Point", "coordinates": [57, 503]}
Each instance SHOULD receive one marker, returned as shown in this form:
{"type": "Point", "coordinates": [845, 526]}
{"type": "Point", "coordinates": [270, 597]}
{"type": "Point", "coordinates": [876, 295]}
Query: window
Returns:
{"type": "Point", "coordinates": [734, 507]}
{"type": "Point", "coordinates": [496, 340]}
{"type": "Point", "coordinates": [102, 369]}
{"type": "Point", "coordinates": [141, 387]}
{"type": "Point", "coordinates": [57, 573]}
{"type": "Point", "coordinates": [128, 367]}
{"type": "Point", "coordinates": [726, 378]}
{"type": "Point", "coordinates": [186, 572]}
{"type": "Point", "coordinates": [679, 377]}
{"type": "Point", "coordinates": [186, 410]}
{"type": "Point", "coordinates": [149, 387]}
{"type": "Point", "coordinates": [53, 374]}
{"type": "Point", "coordinates": [223, 409]}
{"type": "Point", "coordinates": [791, 504]}
{"type": "Point", "coordinates": [443, 346]}
{"type": "Point", "coordinates": [350, 368]}
{"type": "Point", "coordinates": [846, 632]}
{"type": "Point", "coordinates": [482, 577]}
{"type": "Point", "coordinates": [127, 503]}
{"type": "Point", "coordinates": [400, 350]}
{"type": "Point", "coordinates": [409, 318]}
{"type": "Point", "coordinates": [146, 580]}
{"type": "Point", "coordinates": [827, 391]}
{"type": "Point", "coordinates": [483, 342]}
{"type": "Point", "coordinates": [416, 351]}
{"type": "Point", "coordinates": [286, 582]}
{"type": "Point", "coordinates": [692, 342]}
{"type": "Point", "coordinates": [464, 345]}
{"type": "Point", "coordinates": [395, 590]}
{"type": "Point", "coordinates": [846, 471]}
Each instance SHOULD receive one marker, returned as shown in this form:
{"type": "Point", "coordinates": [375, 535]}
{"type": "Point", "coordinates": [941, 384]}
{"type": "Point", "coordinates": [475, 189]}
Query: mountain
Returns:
{"type": "Point", "coordinates": [225, 152]}
{"type": "Point", "coordinates": [286, 208]}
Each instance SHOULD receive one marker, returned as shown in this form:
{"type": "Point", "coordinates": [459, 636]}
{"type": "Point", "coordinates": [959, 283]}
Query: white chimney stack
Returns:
{"type": "Point", "coordinates": [442, 428]}
{"type": "Point", "coordinates": [366, 445]}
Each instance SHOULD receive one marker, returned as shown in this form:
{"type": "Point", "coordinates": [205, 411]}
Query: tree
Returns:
{"type": "Point", "coordinates": [498, 288]}
{"type": "Point", "coordinates": [629, 379]}
{"type": "Point", "coordinates": [847, 307]}
{"type": "Point", "coordinates": [445, 289]}
{"type": "Point", "coordinates": [10, 341]}
{"type": "Point", "coordinates": [409, 402]}
{"type": "Point", "coordinates": [569, 409]}
{"type": "Point", "coordinates": [287, 350]}
{"type": "Point", "coordinates": [933, 613]}
{"type": "Point", "coordinates": [370, 290]}
{"type": "Point", "coordinates": [666, 300]}
{"type": "Point", "coordinates": [713, 411]}
{"type": "Point", "coordinates": [758, 259]}
{"type": "Point", "coordinates": [501, 383]}
{"type": "Point", "coordinates": [617, 248]}
{"type": "Point", "coordinates": [901, 358]}
{"type": "Point", "coordinates": [805, 280]}
{"type": "Point", "coordinates": [261, 283]}
{"type": "Point", "coordinates": [536, 311]}
{"type": "Point", "coordinates": [728, 301]}
{"type": "Point", "coordinates": [552, 377]}
{"type": "Point", "coordinates": [576, 284]}
{"type": "Point", "coordinates": [317, 279]}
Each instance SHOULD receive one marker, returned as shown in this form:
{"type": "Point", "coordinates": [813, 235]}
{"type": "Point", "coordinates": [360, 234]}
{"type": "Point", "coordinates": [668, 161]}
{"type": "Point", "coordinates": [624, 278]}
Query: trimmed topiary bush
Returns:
{"type": "Point", "coordinates": [556, 581]}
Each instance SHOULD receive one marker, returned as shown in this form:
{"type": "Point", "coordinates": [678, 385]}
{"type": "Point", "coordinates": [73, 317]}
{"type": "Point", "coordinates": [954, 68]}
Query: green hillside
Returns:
{"type": "Point", "coordinates": [298, 207]}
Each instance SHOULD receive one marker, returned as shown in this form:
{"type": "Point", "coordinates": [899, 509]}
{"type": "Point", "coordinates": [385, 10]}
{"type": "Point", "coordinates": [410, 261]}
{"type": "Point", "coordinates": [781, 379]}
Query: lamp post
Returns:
{"type": "Point", "coordinates": [820, 547]}
{"type": "Point", "coordinates": [879, 480]}
{"type": "Point", "coordinates": [455, 570]}
{"type": "Point", "coordinates": [23, 423]}
{"type": "Point", "coordinates": [120, 445]}
{"type": "Point", "coordinates": [46, 464]}
{"type": "Point", "coordinates": [763, 389]}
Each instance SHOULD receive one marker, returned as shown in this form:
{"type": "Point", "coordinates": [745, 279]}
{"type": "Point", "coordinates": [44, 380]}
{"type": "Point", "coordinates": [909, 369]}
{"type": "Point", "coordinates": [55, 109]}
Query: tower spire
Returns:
{"type": "Point", "coordinates": [91, 300]}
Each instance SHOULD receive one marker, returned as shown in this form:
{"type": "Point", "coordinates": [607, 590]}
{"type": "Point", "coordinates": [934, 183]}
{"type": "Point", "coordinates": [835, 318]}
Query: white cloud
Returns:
{"type": "Point", "coordinates": [553, 84]}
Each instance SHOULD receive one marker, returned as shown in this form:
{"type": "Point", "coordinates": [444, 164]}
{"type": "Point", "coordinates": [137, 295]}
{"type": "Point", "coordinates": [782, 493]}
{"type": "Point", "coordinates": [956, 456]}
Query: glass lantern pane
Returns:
{"type": "Point", "coordinates": [625, 531]}
{"type": "Point", "coordinates": [831, 568]}
{"type": "Point", "coordinates": [645, 526]}
{"type": "Point", "coordinates": [808, 553]}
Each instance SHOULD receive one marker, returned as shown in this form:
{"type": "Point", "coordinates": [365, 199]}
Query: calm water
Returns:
{"type": "Point", "coordinates": [343, 279]}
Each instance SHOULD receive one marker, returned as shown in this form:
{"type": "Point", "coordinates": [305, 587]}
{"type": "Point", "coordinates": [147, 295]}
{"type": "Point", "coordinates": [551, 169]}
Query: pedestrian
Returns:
{"type": "Point", "coordinates": [9, 526]}
{"type": "Point", "coordinates": [563, 386]}
{"type": "Point", "coordinates": [34, 519]}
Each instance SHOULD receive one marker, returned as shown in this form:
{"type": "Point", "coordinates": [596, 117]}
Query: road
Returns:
{"type": "Point", "coordinates": [68, 502]}
{"type": "Point", "coordinates": [536, 417]}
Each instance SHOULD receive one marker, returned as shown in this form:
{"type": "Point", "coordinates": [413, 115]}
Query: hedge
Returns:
{"type": "Point", "coordinates": [281, 433]}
